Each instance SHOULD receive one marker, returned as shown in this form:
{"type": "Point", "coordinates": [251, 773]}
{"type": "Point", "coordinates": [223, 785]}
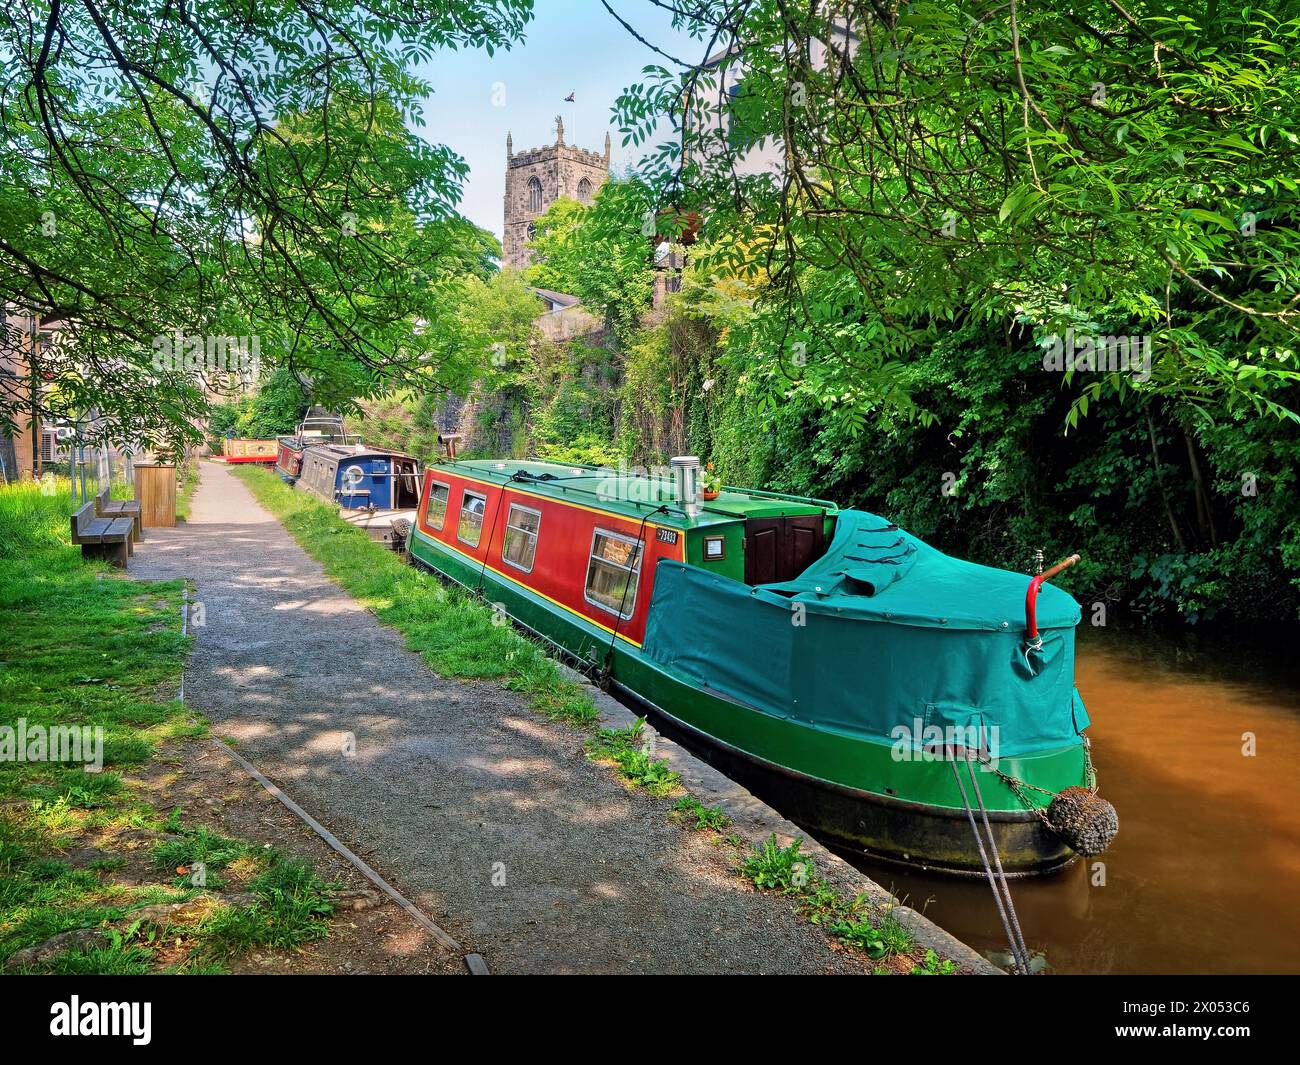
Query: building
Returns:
{"type": "Point", "coordinates": [535, 179]}
{"type": "Point", "coordinates": [710, 116]}
{"type": "Point", "coordinates": [22, 453]}
{"type": "Point", "coordinates": [565, 318]}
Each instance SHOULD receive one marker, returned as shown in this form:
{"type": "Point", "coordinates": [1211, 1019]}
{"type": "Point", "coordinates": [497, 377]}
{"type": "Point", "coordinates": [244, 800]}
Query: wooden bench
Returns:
{"type": "Point", "coordinates": [121, 508]}
{"type": "Point", "coordinates": [108, 539]}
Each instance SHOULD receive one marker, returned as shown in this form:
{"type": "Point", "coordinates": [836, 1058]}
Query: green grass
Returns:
{"type": "Point", "coordinates": [292, 908]}
{"type": "Point", "coordinates": [34, 516]}
{"type": "Point", "coordinates": [188, 478]}
{"type": "Point", "coordinates": [689, 811]}
{"type": "Point", "coordinates": [625, 748]}
{"type": "Point", "coordinates": [454, 632]}
{"type": "Point", "coordinates": [82, 645]}
{"type": "Point", "coordinates": [874, 931]}
{"type": "Point", "coordinates": [191, 849]}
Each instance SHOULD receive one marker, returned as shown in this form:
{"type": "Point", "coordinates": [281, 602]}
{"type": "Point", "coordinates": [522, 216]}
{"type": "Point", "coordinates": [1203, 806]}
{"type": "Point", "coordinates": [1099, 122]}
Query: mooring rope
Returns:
{"type": "Point", "coordinates": [1022, 962]}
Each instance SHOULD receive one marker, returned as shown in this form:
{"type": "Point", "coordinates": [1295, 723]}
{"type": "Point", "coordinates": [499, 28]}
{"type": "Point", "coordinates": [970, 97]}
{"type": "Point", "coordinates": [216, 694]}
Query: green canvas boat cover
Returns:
{"type": "Point", "coordinates": [873, 569]}
{"type": "Point", "coordinates": [883, 631]}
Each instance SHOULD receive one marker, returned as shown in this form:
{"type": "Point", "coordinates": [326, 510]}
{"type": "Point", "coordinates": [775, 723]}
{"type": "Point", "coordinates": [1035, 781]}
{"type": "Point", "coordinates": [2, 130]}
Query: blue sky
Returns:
{"type": "Point", "coordinates": [570, 46]}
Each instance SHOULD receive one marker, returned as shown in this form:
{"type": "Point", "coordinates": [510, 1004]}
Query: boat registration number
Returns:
{"type": "Point", "coordinates": [666, 536]}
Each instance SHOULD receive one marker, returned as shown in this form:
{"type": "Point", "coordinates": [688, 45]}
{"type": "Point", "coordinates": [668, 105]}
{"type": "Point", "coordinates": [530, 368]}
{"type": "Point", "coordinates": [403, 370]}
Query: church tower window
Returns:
{"type": "Point", "coordinates": [534, 194]}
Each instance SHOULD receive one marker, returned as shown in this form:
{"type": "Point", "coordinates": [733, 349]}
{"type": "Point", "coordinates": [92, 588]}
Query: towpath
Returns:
{"type": "Point", "coordinates": [486, 816]}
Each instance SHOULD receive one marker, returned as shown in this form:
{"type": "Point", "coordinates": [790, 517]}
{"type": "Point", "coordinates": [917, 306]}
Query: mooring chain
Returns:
{"type": "Point", "coordinates": [1017, 786]}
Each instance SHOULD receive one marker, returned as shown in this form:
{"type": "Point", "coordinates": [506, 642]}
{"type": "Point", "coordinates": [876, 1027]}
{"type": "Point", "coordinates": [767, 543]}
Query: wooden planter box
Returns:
{"type": "Point", "coordinates": [155, 491]}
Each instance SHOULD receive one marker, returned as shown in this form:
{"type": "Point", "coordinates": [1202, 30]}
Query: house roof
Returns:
{"type": "Point", "coordinates": [560, 299]}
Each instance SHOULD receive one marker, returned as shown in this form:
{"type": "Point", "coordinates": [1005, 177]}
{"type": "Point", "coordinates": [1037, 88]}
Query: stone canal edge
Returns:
{"type": "Point", "coordinates": [487, 817]}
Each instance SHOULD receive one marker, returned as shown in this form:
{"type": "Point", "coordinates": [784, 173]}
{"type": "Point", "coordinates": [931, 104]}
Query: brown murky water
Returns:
{"type": "Point", "coordinates": [1204, 876]}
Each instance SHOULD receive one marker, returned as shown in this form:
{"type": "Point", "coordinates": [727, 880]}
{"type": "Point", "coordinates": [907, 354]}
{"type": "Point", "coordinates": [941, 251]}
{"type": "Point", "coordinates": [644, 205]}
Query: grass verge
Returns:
{"type": "Point", "coordinates": [854, 922]}
{"type": "Point", "coordinates": [81, 646]}
{"type": "Point", "coordinates": [187, 483]}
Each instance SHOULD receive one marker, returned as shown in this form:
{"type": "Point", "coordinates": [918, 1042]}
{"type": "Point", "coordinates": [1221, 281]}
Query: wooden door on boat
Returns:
{"type": "Point", "coordinates": [779, 549]}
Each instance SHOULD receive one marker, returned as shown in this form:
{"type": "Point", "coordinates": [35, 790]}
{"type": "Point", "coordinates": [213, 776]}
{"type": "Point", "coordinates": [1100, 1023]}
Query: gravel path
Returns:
{"type": "Point", "coordinates": [483, 814]}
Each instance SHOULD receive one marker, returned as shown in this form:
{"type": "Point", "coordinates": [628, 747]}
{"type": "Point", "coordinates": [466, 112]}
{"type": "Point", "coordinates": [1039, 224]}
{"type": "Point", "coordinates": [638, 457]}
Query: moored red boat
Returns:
{"type": "Point", "coordinates": [234, 449]}
{"type": "Point", "coordinates": [829, 660]}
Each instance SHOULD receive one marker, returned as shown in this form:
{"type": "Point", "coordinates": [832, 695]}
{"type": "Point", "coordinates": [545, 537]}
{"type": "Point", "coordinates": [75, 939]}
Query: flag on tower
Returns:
{"type": "Point", "coordinates": [569, 99]}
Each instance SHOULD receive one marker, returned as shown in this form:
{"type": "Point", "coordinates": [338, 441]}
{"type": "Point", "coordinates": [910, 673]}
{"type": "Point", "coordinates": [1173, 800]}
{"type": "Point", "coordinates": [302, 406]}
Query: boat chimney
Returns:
{"type": "Point", "coordinates": [449, 441]}
{"type": "Point", "coordinates": [686, 480]}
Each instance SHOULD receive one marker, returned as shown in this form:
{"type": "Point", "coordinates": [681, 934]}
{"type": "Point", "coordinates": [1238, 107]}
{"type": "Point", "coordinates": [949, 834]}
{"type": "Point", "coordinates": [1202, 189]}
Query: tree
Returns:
{"type": "Point", "coordinates": [230, 170]}
{"type": "Point", "coordinates": [601, 253]}
{"type": "Point", "coordinates": [1089, 170]}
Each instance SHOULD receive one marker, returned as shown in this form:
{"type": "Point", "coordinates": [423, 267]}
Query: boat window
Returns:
{"type": "Point", "coordinates": [612, 572]}
{"type": "Point", "coordinates": [472, 506]}
{"type": "Point", "coordinates": [520, 545]}
{"type": "Point", "coordinates": [437, 513]}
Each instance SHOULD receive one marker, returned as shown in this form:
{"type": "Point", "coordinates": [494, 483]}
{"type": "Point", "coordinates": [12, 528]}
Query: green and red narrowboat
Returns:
{"type": "Point", "coordinates": [825, 658]}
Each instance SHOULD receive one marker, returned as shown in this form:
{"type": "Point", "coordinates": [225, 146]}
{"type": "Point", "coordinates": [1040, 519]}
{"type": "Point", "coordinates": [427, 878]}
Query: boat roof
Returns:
{"type": "Point", "coordinates": [877, 571]}
{"type": "Point", "coordinates": [628, 492]}
{"type": "Point", "coordinates": [352, 451]}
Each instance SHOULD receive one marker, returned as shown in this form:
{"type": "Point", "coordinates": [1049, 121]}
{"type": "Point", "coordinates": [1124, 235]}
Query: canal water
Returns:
{"type": "Point", "coordinates": [1204, 876]}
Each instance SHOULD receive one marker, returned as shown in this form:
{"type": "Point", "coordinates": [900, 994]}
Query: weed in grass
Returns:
{"type": "Point", "coordinates": [291, 910]}
{"type": "Point", "coordinates": [932, 966]}
{"type": "Point", "coordinates": [880, 939]}
{"type": "Point", "coordinates": [771, 867]}
{"type": "Point", "coordinates": [822, 904]}
{"type": "Point", "coordinates": [861, 934]}
{"type": "Point", "coordinates": [622, 747]}
{"type": "Point", "coordinates": [705, 817]}
{"type": "Point", "coordinates": [608, 743]}
{"type": "Point", "coordinates": [898, 940]}
{"type": "Point", "coordinates": [195, 847]}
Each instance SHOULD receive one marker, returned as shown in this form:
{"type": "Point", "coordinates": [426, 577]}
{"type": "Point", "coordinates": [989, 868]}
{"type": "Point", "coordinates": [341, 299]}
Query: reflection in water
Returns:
{"type": "Point", "coordinates": [1205, 873]}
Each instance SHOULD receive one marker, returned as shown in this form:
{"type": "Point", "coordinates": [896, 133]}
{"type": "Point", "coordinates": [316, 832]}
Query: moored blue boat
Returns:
{"type": "Point", "coordinates": [359, 477]}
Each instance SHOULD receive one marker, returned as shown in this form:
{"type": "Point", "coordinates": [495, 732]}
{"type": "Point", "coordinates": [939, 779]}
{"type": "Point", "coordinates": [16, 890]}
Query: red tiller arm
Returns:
{"type": "Point", "coordinates": [1031, 596]}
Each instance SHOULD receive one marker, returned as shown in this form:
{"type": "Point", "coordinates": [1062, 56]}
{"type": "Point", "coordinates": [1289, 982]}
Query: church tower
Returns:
{"type": "Point", "coordinates": [535, 179]}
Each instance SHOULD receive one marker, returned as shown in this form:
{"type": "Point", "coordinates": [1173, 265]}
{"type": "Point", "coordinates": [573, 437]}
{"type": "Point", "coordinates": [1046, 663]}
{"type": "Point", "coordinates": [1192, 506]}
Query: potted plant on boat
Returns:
{"type": "Point", "coordinates": [712, 483]}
